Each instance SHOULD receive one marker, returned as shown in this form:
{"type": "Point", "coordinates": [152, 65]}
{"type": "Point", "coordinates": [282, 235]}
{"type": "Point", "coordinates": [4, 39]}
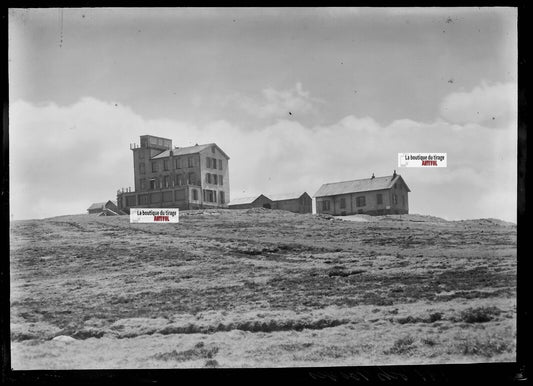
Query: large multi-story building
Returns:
{"type": "Point", "coordinates": [191, 177]}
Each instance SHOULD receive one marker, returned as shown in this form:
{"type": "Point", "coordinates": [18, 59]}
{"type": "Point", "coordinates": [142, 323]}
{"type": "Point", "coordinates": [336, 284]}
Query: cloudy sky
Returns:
{"type": "Point", "coordinates": [296, 98]}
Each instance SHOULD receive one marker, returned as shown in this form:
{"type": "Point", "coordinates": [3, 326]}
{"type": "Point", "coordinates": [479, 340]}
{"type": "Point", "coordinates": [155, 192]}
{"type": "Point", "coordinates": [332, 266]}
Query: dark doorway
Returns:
{"type": "Point", "coordinates": [267, 206]}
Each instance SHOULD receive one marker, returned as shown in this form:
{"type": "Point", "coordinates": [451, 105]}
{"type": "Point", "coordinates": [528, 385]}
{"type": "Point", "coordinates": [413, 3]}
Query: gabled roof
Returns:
{"type": "Point", "coordinates": [97, 205]}
{"type": "Point", "coordinates": [285, 196]}
{"type": "Point", "coordinates": [356, 186]}
{"type": "Point", "coordinates": [101, 205]}
{"type": "Point", "coordinates": [246, 200]}
{"type": "Point", "coordinates": [188, 150]}
{"type": "Point", "coordinates": [242, 200]}
{"type": "Point", "coordinates": [109, 211]}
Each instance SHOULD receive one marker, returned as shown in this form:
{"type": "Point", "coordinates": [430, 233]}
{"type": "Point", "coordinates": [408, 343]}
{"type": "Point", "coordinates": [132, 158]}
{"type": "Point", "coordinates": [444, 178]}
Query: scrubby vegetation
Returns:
{"type": "Point", "coordinates": [402, 345]}
{"type": "Point", "coordinates": [254, 284]}
{"type": "Point", "coordinates": [479, 314]}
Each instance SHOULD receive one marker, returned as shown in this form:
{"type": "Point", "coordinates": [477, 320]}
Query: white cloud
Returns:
{"type": "Point", "coordinates": [493, 105]}
{"type": "Point", "coordinates": [276, 103]}
{"type": "Point", "coordinates": [65, 157]}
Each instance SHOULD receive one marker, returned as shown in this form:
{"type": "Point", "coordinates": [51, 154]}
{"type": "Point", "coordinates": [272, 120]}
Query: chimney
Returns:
{"type": "Point", "coordinates": [373, 176]}
{"type": "Point", "coordinates": [394, 174]}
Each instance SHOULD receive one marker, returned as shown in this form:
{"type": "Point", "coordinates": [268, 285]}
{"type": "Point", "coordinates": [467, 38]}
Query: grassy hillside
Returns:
{"type": "Point", "coordinates": [261, 288]}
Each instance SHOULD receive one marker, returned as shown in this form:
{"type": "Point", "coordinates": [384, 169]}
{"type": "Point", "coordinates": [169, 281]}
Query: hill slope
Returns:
{"type": "Point", "coordinates": [260, 288]}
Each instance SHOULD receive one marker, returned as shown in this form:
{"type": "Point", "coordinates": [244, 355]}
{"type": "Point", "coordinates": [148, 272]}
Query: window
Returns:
{"type": "Point", "coordinates": [192, 179]}
{"type": "Point", "coordinates": [210, 195]}
{"type": "Point", "coordinates": [403, 200]}
{"type": "Point", "coordinates": [222, 198]}
{"type": "Point", "coordinates": [154, 167]}
{"type": "Point", "coordinates": [179, 179]}
{"type": "Point", "coordinates": [141, 168]}
{"type": "Point", "coordinates": [195, 195]}
{"type": "Point", "coordinates": [165, 164]}
{"type": "Point", "coordinates": [213, 149]}
{"type": "Point", "coordinates": [395, 199]}
{"type": "Point", "coordinates": [215, 179]}
{"type": "Point", "coordinates": [325, 205]}
{"type": "Point", "coordinates": [130, 200]}
{"type": "Point", "coordinates": [152, 184]}
{"type": "Point", "coordinates": [360, 201]}
{"type": "Point", "coordinates": [143, 184]}
{"type": "Point", "coordinates": [143, 199]}
{"type": "Point", "coordinates": [343, 203]}
{"type": "Point", "coordinates": [177, 163]}
{"type": "Point", "coordinates": [208, 178]}
{"type": "Point", "coordinates": [379, 197]}
{"type": "Point", "coordinates": [212, 163]}
{"type": "Point", "coordinates": [166, 183]}
{"type": "Point", "coordinates": [190, 162]}
{"type": "Point", "coordinates": [219, 164]}
{"type": "Point", "coordinates": [221, 180]}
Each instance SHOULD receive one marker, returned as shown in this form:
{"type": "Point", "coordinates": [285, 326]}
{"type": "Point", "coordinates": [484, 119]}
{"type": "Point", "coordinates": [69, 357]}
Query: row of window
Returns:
{"type": "Point", "coordinates": [180, 163]}
{"type": "Point", "coordinates": [216, 179]}
{"type": "Point", "coordinates": [179, 195]}
{"type": "Point", "coordinates": [180, 180]}
{"type": "Point", "coordinates": [212, 163]}
{"type": "Point", "coordinates": [361, 201]}
{"type": "Point", "coordinates": [211, 196]}
{"type": "Point", "coordinates": [168, 181]}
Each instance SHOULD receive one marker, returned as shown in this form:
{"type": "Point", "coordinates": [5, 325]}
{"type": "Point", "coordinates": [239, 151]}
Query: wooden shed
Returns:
{"type": "Point", "coordinates": [293, 202]}
{"type": "Point", "coordinates": [108, 208]}
{"type": "Point", "coordinates": [260, 201]}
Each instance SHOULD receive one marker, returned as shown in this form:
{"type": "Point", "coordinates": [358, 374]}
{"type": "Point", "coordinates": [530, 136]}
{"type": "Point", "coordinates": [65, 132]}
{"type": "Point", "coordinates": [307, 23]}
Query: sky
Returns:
{"type": "Point", "coordinates": [296, 97]}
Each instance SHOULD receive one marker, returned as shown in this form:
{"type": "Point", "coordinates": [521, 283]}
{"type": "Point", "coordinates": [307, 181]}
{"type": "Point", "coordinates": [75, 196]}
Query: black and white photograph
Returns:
{"type": "Point", "coordinates": [293, 187]}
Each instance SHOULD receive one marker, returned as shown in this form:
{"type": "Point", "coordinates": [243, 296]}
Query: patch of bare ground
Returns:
{"type": "Point", "coordinates": [261, 288]}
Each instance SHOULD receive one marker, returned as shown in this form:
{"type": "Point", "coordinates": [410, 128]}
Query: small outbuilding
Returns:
{"type": "Point", "coordinates": [293, 202]}
{"type": "Point", "coordinates": [260, 201]}
{"type": "Point", "coordinates": [108, 208]}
